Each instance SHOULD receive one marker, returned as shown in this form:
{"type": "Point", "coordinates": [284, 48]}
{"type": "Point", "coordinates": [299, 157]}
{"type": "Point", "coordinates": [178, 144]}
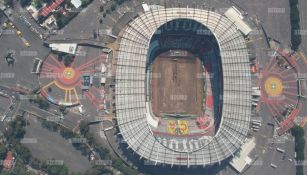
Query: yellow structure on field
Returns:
{"type": "Point", "coordinates": [183, 126]}
{"type": "Point", "coordinates": [171, 126]}
{"type": "Point", "coordinates": [179, 127]}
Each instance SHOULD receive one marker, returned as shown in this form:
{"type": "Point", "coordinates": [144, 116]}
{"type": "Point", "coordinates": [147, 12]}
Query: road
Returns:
{"type": "Point", "coordinates": [69, 121]}
{"type": "Point", "coordinates": [21, 70]}
{"type": "Point", "coordinates": [303, 24]}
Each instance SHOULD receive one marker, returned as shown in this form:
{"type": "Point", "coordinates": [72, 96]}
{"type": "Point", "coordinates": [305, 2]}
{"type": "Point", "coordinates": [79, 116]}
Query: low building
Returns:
{"type": "Point", "coordinates": [36, 66]}
{"type": "Point", "coordinates": [9, 161]}
{"type": "Point", "coordinates": [235, 16]}
{"type": "Point", "coordinates": [45, 11]}
{"type": "Point", "coordinates": [50, 23]}
{"type": "Point", "coordinates": [76, 3]}
{"type": "Point", "coordinates": [70, 48]}
{"type": "Point", "coordinates": [33, 11]}
{"type": "Point", "coordinates": [86, 82]}
{"type": "Point", "coordinates": [242, 159]}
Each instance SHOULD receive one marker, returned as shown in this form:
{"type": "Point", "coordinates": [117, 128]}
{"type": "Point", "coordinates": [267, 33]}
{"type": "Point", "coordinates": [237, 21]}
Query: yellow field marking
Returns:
{"type": "Point", "coordinates": [74, 89]}
{"type": "Point", "coordinates": [171, 127]}
{"type": "Point", "coordinates": [183, 126]}
{"type": "Point", "coordinates": [273, 86]}
{"type": "Point", "coordinates": [66, 93]}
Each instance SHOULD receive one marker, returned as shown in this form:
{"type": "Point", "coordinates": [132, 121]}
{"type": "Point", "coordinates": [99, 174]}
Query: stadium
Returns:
{"type": "Point", "coordinates": [183, 86]}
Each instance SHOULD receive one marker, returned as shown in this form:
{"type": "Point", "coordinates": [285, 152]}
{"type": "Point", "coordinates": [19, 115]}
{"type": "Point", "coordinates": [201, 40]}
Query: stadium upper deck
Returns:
{"type": "Point", "coordinates": [133, 111]}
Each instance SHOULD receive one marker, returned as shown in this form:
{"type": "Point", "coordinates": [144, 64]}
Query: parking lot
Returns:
{"type": "Point", "coordinates": [274, 15]}
{"type": "Point", "coordinates": [265, 152]}
{"type": "Point", "coordinates": [46, 145]}
{"type": "Point", "coordinates": [20, 72]}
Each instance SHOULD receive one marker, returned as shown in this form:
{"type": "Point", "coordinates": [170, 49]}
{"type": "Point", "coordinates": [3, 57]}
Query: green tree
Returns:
{"type": "Point", "coordinates": [293, 3]}
{"type": "Point", "coordinates": [298, 133]}
{"type": "Point", "coordinates": [19, 169]}
{"type": "Point", "coordinates": [24, 3]}
{"type": "Point", "coordinates": [37, 4]}
{"type": "Point", "coordinates": [295, 25]}
{"type": "Point", "coordinates": [68, 59]}
{"type": "Point", "coordinates": [84, 127]}
{"type": "Point", "coordinates": [113, 7]}
{"type": "Point", "coordinates": [43, 103]}
{"type": "Point", "coordinates": [16, 130]}
{"type": "Point", "coordinates": [66, 133]}
{"type": "Point", "coordinates": [51, 126]}
{"type": "Point", "coordinates": [56, 169]}
{"type": "Point", "coordinates": [8, 2]}
{"type": "Point", "coordinates": [36, 163]}
{"type": "Point", "coordinates": [23, 152]}
{"type": "Point", "coordinates": [48, 1]}
{"type": "Point", "coordinates": [299, 170]}
{"type": "Point", "coordinates": [101, 9]}
{"type": "Point", "coordinates": [103, 152]}
{"type": "Point", "coordinates": [62, 109]}
{"type": "Point", "coordinates": [119, 164]}
{"type": "Point", "coordinates": [97, 170]}
{"type": "Point", "coordinates": [3, 151]}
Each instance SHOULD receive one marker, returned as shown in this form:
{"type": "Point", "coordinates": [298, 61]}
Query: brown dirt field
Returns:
{"type": "Point", "coordinates": [176, 87]}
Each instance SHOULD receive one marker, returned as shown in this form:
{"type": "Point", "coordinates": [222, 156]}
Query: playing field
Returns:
{"type": "Point", "coordinates": [176, 84]}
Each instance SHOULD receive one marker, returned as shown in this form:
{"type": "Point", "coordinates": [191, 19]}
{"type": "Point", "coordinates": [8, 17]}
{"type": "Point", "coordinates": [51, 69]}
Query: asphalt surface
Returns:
{"type": "Point", "coordinates": [83, 25]}
{"type": "Point", "coordinates": [46, 145]}
{"type": "Point", "coordinates": [21, 71]}
{"type": "Point", "coordinates": [303, 24]}
{"type": "Point", "coordinates": [273, 14]}
{"type": "Point", "coordinates": [4, 104]}
{"type": "Point", "coordinates": [70, 121]}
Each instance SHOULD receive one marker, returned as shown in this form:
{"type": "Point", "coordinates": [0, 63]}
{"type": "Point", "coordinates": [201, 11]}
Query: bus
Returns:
{"type": "Point", "coordinates": [257, 124]}
{"type": "Point", "coordinates": [280, 150]}
{"type": "Point", "coordinates": [256, 121]}
{"type": "Point", "coordinates": [273, 165]}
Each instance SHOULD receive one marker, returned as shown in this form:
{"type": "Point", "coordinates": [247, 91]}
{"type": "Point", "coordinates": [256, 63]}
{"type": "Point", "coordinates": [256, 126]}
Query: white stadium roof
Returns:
{"type": "Point", "coordinates": [130, 93]}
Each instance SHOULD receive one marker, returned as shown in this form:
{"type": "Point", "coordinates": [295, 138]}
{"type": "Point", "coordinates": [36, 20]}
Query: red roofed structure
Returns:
{"type": "Point", "coordinates": [48, 9]}
{"type": "Point", "coordinates": [8, 162]}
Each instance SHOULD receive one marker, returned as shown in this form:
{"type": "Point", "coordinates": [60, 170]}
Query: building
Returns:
{"type": "Point", "coordinates": [70, 48]}
{"type": "Point", "coordinates": [241, 159]}
{"type": "Point", "coordinates": [76, 3]}
{"type": "Point", "coordinates": [86, 82]}
{"type": "Point", "coordinates": [50, 23]}
{"type": "Point", "coordinates": [36, 66]}
{"type": "Point", "coordinates": [45, 11]}
{"type": "Point", "coordinates": [33, 11]}
{"type": "Point", "coordinates": [9, 161]}
{"type": "Point", "coordinates": [133, 114]}
{"type": "Point", "coordinates": [235, 16]}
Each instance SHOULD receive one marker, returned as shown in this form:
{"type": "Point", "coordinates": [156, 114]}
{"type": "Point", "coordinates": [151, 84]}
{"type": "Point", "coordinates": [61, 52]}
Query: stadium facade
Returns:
{"type": "Point", "coordinates": [133, 111]}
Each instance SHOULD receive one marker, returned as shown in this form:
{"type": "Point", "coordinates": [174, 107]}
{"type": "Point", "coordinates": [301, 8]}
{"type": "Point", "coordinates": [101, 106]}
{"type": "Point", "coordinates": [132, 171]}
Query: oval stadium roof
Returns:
{"type": "Point", "coordinates": [130, 88]}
